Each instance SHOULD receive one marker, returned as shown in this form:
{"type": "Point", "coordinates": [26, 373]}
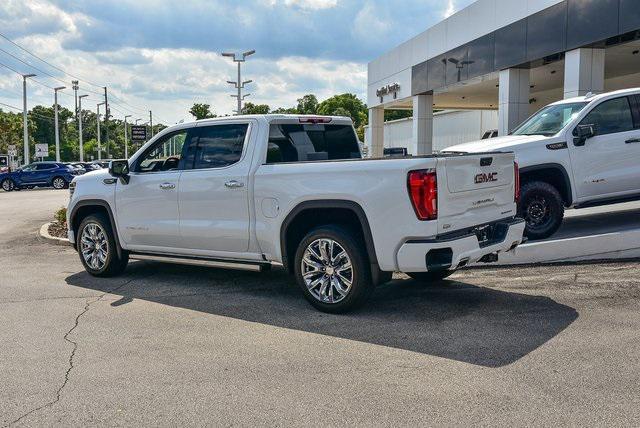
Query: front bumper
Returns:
{"type": "Point", "coordinates": [452, 251]}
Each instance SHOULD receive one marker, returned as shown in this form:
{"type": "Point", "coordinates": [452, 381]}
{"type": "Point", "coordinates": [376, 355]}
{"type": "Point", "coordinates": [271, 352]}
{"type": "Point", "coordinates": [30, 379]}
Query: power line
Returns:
{"type": "Point", "coordinates": [48, 63]}
{"type": "Point", "coordinates": [31, 113]}
{"type": "Point", "coordinates": [34, 67]}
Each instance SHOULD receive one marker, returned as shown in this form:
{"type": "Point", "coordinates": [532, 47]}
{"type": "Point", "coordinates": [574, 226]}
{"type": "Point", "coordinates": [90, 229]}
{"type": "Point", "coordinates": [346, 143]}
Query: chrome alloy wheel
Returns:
{"type": "Point", "coordinates": [327, 270]}
{"type": "Point", "coordinates": [94, 246]}
{"type": "Point", "coordinates": [58, 183]}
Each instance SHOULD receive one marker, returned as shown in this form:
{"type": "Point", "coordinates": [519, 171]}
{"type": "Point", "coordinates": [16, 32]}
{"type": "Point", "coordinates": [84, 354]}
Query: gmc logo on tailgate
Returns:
{"type": "Point", "coordinates": [486, 178]}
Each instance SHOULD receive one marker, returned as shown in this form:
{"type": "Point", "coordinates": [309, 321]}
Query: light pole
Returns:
{"type": "Point", "coordinates": [239, 84]}
{"type": "Point", "coordinates": [75, 85]}
{"type": "Point", "coordinates": [98, 130]}
{"type": "Point", "coordinates": [126, 143]}
{"type": "Point", "coordinates": [80, 126]}
{"type": "Point", "coordinates": [151, 122]}
{"type": "Point", "coordinates": [25, 132]}
{"type": "Point", "coordinates": [57, 129]}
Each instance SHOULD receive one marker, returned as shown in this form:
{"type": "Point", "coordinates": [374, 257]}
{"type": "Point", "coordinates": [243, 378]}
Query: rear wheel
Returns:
{"type": "Point", "coordinates": [8, 185]}
{"type": "Point", "coordinates": [542, 208]}
{"type": "Point", "coordinates": [331, 268]}
{"type": "Point", "coordinates": [98, 249]}
{"type": "Point", "coordinates": [430, 276]}
{"type": "Point", "coordinates": [59, 183]}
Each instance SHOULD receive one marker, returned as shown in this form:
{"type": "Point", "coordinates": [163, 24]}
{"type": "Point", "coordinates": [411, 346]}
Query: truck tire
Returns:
{"type": "Point", "coordinates": [7, 185]}
{"type": "Point", "coordinates": [542, 208]}
{"type": "Point", "coordinates": [98, 249]}
{"type": "Point", "coordinates": [332, 268]}
{"type": "Point", "coordinates": [429, 277]}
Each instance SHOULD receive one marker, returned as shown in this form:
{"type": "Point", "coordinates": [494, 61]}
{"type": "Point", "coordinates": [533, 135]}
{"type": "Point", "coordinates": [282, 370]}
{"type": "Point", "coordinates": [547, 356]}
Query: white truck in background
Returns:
{"type": "Point", "coordinates": [294, 190]}
{"type": "Point", "coordinates": [574, 153]}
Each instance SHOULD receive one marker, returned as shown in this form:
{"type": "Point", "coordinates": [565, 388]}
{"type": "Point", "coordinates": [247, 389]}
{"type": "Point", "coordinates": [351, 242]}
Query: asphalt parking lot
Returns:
{"type": "Point", "coordinates": [173, 345]}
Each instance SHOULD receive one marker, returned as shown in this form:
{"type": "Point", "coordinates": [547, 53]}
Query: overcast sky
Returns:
{"type": "Point", "coordinates": [165, 54]}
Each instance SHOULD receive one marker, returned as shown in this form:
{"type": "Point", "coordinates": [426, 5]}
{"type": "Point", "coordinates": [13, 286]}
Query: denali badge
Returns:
{"type": "Point", "coordinates": [486, 178]}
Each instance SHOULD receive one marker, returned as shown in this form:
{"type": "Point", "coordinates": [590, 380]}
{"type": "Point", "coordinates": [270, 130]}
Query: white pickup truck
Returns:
{"type": "Point", "coordinates": [252, 191]}
{"type": "Point", "coordinates": [575, 153]}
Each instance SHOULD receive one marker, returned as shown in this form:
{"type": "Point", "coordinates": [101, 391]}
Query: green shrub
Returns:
{"type": "Point", "coordinates": [61, 216]}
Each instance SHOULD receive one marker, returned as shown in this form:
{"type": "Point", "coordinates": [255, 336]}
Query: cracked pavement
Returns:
{"type": "Point", "coordinates": [177, 345]}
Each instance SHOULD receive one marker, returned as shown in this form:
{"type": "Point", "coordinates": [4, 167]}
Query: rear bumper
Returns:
{"type": "Point", "coordinates": [449, 252]}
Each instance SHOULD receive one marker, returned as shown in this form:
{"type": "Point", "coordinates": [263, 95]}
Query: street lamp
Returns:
{"type": "Point", "coordinates": [80, 126]}
{"type": "Point", "coordinates": [57, 130]}
{"type": "Point", "coordinates": [239, 84]}
{"type": "Point", "coordinates": [25, 131]}
{"type": "Point", "coordinates": [98, 130]}
{"type": "Point", "coordinates": [126, 143]}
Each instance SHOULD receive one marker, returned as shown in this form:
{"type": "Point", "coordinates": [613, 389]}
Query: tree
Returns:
{"type": "Point", "coordinates": [397, 114]}
{"type": "Point", "coordinates": [345, 105]}
{"type": "Point", "coordinates": [201, 111]}
{"type": "Point", "coordinates": [282, 110]}
{"type": "Point", "coordinates": [250, 108]}
{"type": "Point", "coordinates": [307, 104]}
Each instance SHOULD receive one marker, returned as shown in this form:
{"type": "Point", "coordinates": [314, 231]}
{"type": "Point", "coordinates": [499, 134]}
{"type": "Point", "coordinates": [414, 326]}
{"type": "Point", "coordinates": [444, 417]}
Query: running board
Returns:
{"type": "Point", "coordinates": [196, 261]}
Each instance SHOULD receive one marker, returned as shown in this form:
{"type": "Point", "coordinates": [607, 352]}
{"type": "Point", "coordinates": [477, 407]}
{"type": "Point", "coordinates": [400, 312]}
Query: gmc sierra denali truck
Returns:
{"type": "Point", "coordinates": [575, 153]}
{"type": "Point", "coordinates": [294, 190]}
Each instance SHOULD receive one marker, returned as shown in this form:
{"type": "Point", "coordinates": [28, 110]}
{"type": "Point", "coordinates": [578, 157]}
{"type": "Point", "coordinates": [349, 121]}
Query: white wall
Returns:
{"type": "Point", "coordinates": [449, 128]}
{"type": "Point", "coordinates": [479, 18]}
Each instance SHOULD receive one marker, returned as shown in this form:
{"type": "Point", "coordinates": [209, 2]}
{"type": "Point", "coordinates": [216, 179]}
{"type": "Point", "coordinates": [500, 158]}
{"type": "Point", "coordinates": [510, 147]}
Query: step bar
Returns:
{"type": "Point", "coordinates": [202, 261]}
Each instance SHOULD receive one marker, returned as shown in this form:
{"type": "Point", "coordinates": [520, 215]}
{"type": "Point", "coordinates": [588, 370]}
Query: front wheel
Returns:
{"type": "Point", "coordinates": [542, 208]}
{"type": "Point", "coordinates": [97, 247]}
{"type": "Point", "coordinates": [8, 185]}
{"type": "Point", "coordinates": [429, 277]}
{"type": "Point", "coordinates": [332, 269]}
{"type": "Point", "coordinates": [59, 183]}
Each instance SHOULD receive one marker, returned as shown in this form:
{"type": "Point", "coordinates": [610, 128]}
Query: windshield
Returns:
{"type": "Point", "coordinates": [550, 120]}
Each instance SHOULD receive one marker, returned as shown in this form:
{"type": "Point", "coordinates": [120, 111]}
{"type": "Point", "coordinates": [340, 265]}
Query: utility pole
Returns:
{"type": "Point", "coordinates": [57, 128]}
{"type": "Point", "coordinates": [151, 122]}
{"type": "Point", "coordinates": [25, 132]}
{"type": "Point", "coordinates": [106, 121]}
{"type": "Point", "coordinates": [80, 126]}
{"type": "Point", "coordinates": [98, 126]}
{"type": "Point", "coordinates": [239, 84]}
{"type": "Point", "coordinates": [75, 85]}
{"type": "Point", "coordinates": [126, 142]}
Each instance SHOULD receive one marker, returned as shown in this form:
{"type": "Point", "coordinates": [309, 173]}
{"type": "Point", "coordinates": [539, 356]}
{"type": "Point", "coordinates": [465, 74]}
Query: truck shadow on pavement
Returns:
{"type": "Point", "coordinates": [451, 320]}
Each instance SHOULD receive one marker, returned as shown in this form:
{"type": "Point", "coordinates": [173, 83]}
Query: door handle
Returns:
{"type": "Point", "coordinates": [167, 186]}
{"type": "Point", "coordinates": [633, 140]}
{"type": "Point", "coordinates": [234, 184]}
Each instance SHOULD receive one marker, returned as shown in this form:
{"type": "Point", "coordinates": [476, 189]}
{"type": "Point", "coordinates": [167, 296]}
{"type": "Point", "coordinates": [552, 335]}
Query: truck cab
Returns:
{"type": "Point", "coordinates": [574, 153]}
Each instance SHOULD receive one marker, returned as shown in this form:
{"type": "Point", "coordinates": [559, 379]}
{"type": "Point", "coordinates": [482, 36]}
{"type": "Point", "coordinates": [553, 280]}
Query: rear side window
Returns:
{"type": "Point", "coordinates": [311, 142]}
{"type": "Point", "coordinates": [216, 146]}
{"type": "Point", "coordinates": [45, 166]}
{"type": "Point", "coordinates": [611, 117]}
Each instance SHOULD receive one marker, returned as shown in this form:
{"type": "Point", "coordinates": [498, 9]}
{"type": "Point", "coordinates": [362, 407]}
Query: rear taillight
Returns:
{"type": "Point", "coordinates": [423, 191]}
{"type": "Point", "coordinates": [516, 192]}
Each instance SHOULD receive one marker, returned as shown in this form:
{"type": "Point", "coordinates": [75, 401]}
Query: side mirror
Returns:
{"type": "Point", "coordinates": [582, 133]}
{"type": "Point", "coordinates": [120, 169]}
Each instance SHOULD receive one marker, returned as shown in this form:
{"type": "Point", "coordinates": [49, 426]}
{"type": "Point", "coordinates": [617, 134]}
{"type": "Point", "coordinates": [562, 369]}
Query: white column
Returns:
{"type": "Point", "coordinates": [513, 106]}
{"type": "Point", "coordinates": [423, 124]}
{"type": "Point", "coordinates": [376, 125]}
{"type": "Point", "coordinates": [583, 72]}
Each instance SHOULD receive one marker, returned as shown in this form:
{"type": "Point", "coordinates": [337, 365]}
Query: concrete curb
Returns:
{"type": "Point", "coordinates": [44, 233]}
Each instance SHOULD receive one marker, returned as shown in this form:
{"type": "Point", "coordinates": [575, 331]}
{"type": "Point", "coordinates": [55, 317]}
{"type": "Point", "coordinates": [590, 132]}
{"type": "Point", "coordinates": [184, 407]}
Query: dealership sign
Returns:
{"type": "Point", "coordinates": [138, 133]}
{"type": "Point", "coordinates": [42, 150]}
{"type": "Point", "coordinates": [392, 88]}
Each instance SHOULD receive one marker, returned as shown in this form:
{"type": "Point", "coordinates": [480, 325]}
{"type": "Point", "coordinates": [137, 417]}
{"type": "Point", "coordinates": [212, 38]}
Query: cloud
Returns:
{"type": "Point", "coordinates": [164, 56]}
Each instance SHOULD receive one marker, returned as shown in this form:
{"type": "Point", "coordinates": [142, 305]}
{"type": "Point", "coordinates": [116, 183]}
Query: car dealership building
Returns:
{"type": "Point", "coordinates": [513, 56]}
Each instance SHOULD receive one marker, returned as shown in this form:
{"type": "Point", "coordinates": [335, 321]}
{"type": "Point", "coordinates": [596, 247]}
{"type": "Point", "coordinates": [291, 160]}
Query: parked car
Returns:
{"type": "Point", "coordinates": [77, 167]}
{"type": "Point", "coordinates": [294, 190]}
{"type": "Point", "coordinates": [575, 153]}
{"type": "Point", "coordinates": [38, 174]}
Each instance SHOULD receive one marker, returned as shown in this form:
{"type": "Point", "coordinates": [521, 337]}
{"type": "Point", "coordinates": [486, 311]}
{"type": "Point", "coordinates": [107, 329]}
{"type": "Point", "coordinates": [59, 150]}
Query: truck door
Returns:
{"type": "Point", "coordinates": [214, 189]}
{"type": "Point", "coordinates": [607, 164]}
{"type": "Point", "coordinates": [147, 206]}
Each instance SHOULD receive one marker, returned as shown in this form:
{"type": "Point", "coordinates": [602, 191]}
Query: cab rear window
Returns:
{"type": "Point", "coordinates": [311, 142]}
